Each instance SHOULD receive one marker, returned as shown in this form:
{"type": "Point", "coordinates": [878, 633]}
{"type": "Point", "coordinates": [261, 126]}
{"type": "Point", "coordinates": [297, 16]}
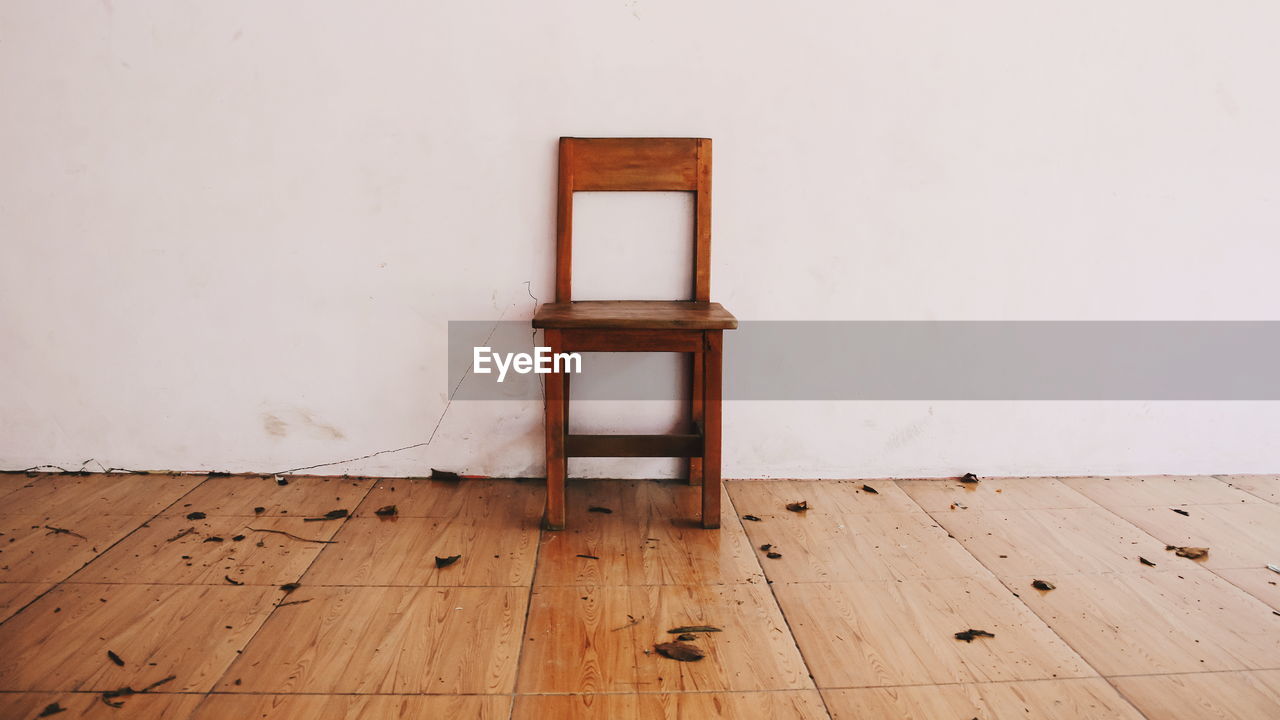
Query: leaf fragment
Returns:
{"type": "Point", "coordinates": [969, 635]}
{"type": "Point", "coordinates": [115, 658]}
{"type": "Point", "coordinates": [869, 489]}
{"type": "Point", "coordinates": [693, 629]}
{"type": "Point", "coordinates": [443, 562]}
{"type": "Point", "coordinates": [1042, 585]}
{"type": "Point", "coordinates": [386, 511]}
{"type": "Point", "coordinates": [798, 506]}
{"type": "Point", "coordinates": [684, 652]}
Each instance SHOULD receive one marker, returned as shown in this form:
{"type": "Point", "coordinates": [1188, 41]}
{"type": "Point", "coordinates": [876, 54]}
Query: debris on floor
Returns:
{"type": "Point", "coordinates": [1194, 553]}
{"type": "Point", "coordinates": [869, 489]}
{"type": "Point", "coordinates": [289, 535]}
{"type": "Point", "coordinates": [765, 547]}
{"type": "Point", "coordinates": [692, 629]}
{"type": "Point", "coordinates": [598, 509]}
{"type": "Point", "coordinates": [752, 518]}
{"type": "Point", "coordinates": [110, 695]}
{"type": "Point", "coordinates": [282, 480]}
{"type": "Point", "coordinates": [115, 658]}
{"type": "Point", "coordinates": [798, 506]}
{"type": "Point", "coordinates": [969, 478]}
{"type": "Point", "coordinates": [386, 511]}
{"type": "Point", "coordinates": [1181, 512]}
{"type": "Point", "coordinates": [686, 637]}
{"type": "Point", "coordinates": [443, 562]}
{"type": "Point", "coordinates": [182, 534]}
{"type": "Point", "coordinates": [51, 709]}
{"type": "Point", "coordinates": [445, 476]}
{"type": "Point", "coordinates": [1145, 561]}
{"type": "Point", "coordinates": [588, 557]}
{"type": "Point", "coordinates": [63, 531]}
{"type": "Point", "coordinates": [259, 510]}
{"type": "Point", "coordinates": [773, 555]}
{"type": "Point", "coordinates": [290, 587]}
{"type": "Point", "coordinates": [195, 516]}
{"type": "Point", "coordinates": [233, 582]}
{"type": "Point", "coordinates": [631, 622]}
{"type": "Point", "coordinates": [969, 635]}
{"type": "Point", "coordinates": [331, 515]}
{"type": "Point", "coordinates": [292, 602]}
{"type": "Point", "coordinates": [237, 538]}
{"type": "Point", "coordinates": [1042, 585]}
{"type": "Point", "coordinates": [1274, 568]}
{"type": "Point", "coordinates": [213, 538]}
{"type": "Point", "coordinates": [684, 652]}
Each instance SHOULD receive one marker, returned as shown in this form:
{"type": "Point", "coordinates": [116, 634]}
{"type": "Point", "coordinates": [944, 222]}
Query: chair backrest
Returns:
{"type": "Point", "coordinates": [635, 164]}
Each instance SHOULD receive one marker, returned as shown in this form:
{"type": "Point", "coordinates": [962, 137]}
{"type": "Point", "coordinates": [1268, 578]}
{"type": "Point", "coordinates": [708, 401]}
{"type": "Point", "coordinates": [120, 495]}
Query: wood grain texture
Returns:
{"type": "Point", "coordinates": [833, 498]}
{"type": "Point", "coordinates": [594, 639]}
{"type": "Point", "coordinates": [1265, 487]}
{"type": "Point", "coordinates": [31, 552]}
{"type": "Point", "coordinates": [191, 631]}
{"type": "Point", "coordinates": [160, 552]}
{"type": "Point", "coordinates": [1068, 540]}
{"type": "Point", "coordinates": [995, 494]}
{"type": "Point", "coordinates": [386, 640]}
{"type": "Point", "coordinates": [1261, 583]}
{"type": "Point", "coordinates": [303, 496]}
{"type": "Point", "coordinates": [1113, 492]}
{"type": "Point", "coordinates": [863, 546]}
{"type": "Point", "coordinates": [1159, 622]}
{"type": "Point", "coordinates": [635, 315]}
{"type": "Point", "coordinates": [61, 496]}
{"type": "Point", "coordinates": [1242, 535]}
{"type": "Point", "coordinates": [778, 705]}
{"type": "Point", "coordinates": [517, 500]}
{"type": "Point", "coordinates": [402, 550]}
{"type": "Point", "coordinates": [1205, 696]}
{"type": "Point", "coordinates": [868, 634]}
{"type": "Point", "coordinates": [1074, 699]}
{"type": "Point", "coordinates": [612, 164]}
{"type": "Point", "coordinates": [354, 707]}
{"type": "Point", "coordinates": [89, 706]}
{"type": "Point", "coordinates": [14, 595]}
{"type": "Point", "coordinates": [649, 539]}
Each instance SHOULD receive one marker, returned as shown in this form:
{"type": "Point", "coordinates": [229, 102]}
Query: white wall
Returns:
{"type": "Point", "coordinates": [233, 232]}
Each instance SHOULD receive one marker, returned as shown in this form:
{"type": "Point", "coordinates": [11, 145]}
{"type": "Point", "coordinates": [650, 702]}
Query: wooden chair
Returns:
{"type": "Point", "coordinates": [695, 326]}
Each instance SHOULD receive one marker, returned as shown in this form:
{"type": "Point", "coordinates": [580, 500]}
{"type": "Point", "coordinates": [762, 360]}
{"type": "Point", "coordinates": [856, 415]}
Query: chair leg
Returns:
{"type": "Point", "coordinates": [556, 423]}
{"type": "Point", "coordinates": [711, 391]}
{"type": "Point", "coordinates": [695, 463]}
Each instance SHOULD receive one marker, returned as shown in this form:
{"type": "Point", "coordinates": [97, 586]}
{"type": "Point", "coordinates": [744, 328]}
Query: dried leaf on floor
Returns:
{"type": "Point", "coordinates": [798, 506]}
{"type": "Point", "coordinates": [115, 658]}
{"type": "Point", "coordinates": [386, 511]}
{"type": "Point", "coordinates": [765, 547]}
{"type": "Point", "coordinates": [1194, 553]}
{"type": "Point", "coordinates": [598, 509]}
{"type": "Point", "coordinates": [1145, 561]}
{"type": "Point", "coordinates": [588, 557]}
{"type": "Point", "coordinates": [213, 538]}
{"type": "Point", "coordinates": [52, 708]}
{"type": "Point", "coordinates": [1181, 512]}
{"type": "Point", "coordinates": [290, 587]}
{"type": "Point", "coordinates": [289, 535]}
{"type": "Point", "coordinates": [969, 478]}
{"type": "Point", "coordinates": [773, 555]}
{"type": "Point", "coordinates": [331, 515]}
{"type": "Point", "coordinates": [969, 635]}
{"type": "Point", "coordinates": [195, 516]}
{"type": "Point", "coordinates": [869, 489]}
{"type": "Point", "coordinates": [693, 629]}
{"type": "Point", "coordinates": [63, 531]}
{"type": "Point", "coordinates": [259, 510]}
{"type": "Point", "coordinates": [237, 538]}
{"type": "Point", "coordinates": [752, 518]}
{"type": "Point", "coordinates": [686, 637]}
{"type": "Point", "coordinates": [445, 475]}
{"type": "Point", "coordinates": [443, 562]}
{"type": "Point", "coordinates": [1042, 585]}
{"type": "Point", "coordinates": [230, 580]}
{"type": "Point", "coordinates": [683, 652]}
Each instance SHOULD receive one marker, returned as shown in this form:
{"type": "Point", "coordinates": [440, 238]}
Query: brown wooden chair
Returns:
{"type": "Point", "coordinates": [695, 326]}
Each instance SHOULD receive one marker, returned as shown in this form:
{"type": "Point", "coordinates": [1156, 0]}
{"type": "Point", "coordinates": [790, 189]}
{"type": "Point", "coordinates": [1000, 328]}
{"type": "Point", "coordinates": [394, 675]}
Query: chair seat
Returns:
{"type": "Point", "coordinates": [634, 315]}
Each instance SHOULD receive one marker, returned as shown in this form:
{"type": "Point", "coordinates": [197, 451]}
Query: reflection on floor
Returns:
{"type": "Point", "coordinates": [172, 585]}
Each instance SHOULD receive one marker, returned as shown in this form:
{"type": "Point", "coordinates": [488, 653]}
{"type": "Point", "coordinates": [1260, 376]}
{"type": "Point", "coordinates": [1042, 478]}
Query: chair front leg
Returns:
{"type": "Point", "coordinates": [555, 397]}
{"type": "Point", "coordinates": [712, 363]}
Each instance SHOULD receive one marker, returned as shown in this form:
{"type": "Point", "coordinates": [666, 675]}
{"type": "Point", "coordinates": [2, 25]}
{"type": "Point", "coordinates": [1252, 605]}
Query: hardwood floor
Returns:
{"type": "Point", "coordinates": [172, 584]}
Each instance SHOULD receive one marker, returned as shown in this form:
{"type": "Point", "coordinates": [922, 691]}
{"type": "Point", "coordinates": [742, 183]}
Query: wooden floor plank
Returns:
{"type": "Point", "coordinates": [867, 634]}
{"type": "Point", "coordinates": [60, 496]}
{"type": "Point", "coordinates": [1266, 487]}
{"type": "Point", "coordinates": [192, 632]}
{"type": "Point", "coordinates": [302, 496]}
{"type": "Point", "coordinates": [13, 596]}
{"type": "Point", "coordinates": [386, 640]}
{"type": "Point", "coordinates": [422, 497]}
{"type": "Point", "coordinates": [174, 549]}
{"type": "Point", "coordinates": [402, 550]}
{"type": "Point", "coordinates": [32, 551]}
{"type": "Point", "coordinates": [354, 707]}
{"type": "Point", "coordinates": [1205, 696]}
{"type": "Point", "coordinates": [994, 494]}
{"type": "Point", "coordinates": [1187, 620]}
{"type": "Point", "coordinates": [769, 498]}
{"type": "Point", "coordinates": [1145, 490]}
{"type": "Point", "coordinates": [1261, 583]}
{"type": "Point", "coordinates": [1046, 542]}
{"type": "Point", "coordinates": [601, 639]}
{"type": "Point", "coordinates": [865, 546]}
{"type": "Point", "coordinates": [1245, 535]}
{"type": "Point", "coordinates": [778, 705]}
{"type": "Point", "coordinates": [1090, 698]}
{"type": "Point", "coordinates": [89, 706]}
